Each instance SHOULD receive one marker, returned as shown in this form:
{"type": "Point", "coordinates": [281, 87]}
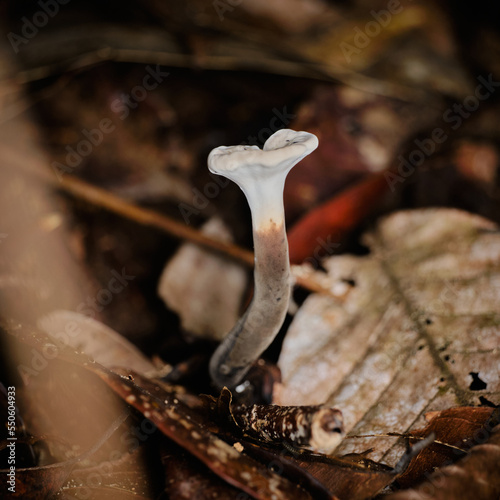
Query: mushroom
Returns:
{"type": "Point", "coordinates": [261, 176]}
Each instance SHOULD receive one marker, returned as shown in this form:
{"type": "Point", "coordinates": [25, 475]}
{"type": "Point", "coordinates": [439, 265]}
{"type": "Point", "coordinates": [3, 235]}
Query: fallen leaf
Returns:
{"type": "Point", "coordinates": [95, 339]}
{"type": "Point", "coordinates": [186, 428]}
{"type": "Point", "coordinates": [311, 237]}
{"type": "Point", "coordinates": [456, 430]}
{"type": "Point", "coordinates": [188, 479]}
{"type": "Point", "coordinates": [46, 481]}
{"type": "Point", "coordinates": [420, 316]}
{"type": "Point", "coordinates": [121, 478]}
{"type": "Point", "coordinates": [283, 461]}
{"type": "Point", "coordinates": [37, 482]}
{"type": "Point", "coordinates": [178, 422]}
{"type": "Point", "coordinates": [359, 134]}
{"type": "Point", "coordinates": [474, 476]}
{"type": "Point", "coordinates": [347, 481]}
{"type": "Point", "coordinates": [205, 289]}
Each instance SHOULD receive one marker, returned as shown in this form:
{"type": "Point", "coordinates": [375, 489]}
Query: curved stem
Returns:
{"type": "Point", "coordinates": [258, 327]}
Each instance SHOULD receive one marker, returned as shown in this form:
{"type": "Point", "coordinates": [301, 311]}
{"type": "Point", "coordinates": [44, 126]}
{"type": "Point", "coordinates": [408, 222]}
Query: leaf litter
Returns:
{"type": "Point", "coordinates": [401, 376]}
{"type": "Point", "coordinates": [420, 316]}
{"type": "Point", "coordinates": [403, 335]}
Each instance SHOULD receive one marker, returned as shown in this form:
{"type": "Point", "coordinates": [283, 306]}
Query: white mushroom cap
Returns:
{"type": "Point", "coordinates": [261, 173]}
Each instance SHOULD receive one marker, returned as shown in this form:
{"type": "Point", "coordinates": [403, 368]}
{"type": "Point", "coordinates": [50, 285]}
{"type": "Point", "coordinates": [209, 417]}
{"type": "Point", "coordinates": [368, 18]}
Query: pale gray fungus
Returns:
{"type": "Point", "coordinates": [261, 174]}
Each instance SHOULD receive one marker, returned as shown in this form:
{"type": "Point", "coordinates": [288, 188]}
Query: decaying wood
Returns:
{"type": "Point", "coordinates": [316, 428]}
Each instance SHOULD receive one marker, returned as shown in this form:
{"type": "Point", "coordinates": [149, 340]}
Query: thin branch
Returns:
{"type": "Point", "coordinates": [407, 436]}
{"type": "Point", "coordinates": [104, 199]}
{"type": "Point", "coordinates": [101, 198]}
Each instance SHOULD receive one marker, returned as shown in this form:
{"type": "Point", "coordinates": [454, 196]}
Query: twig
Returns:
{"type": "Point", "coordinates": [407, 436]}
{"type": "Point", "coordinates": [104, 199]}
{"type": "Point", "coordinates": [412, 452]}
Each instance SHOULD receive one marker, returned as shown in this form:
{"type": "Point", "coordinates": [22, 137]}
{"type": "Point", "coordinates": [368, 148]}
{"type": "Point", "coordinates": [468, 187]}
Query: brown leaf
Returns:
{"type": "Point", "coordinates": [460, 428]}
{"type": "Point", "coordinates": [420, 315]}
{"type": "Point", "coordinates": [474, 476]}
{"type": "Point", "coordinates": [46, 481]}
{"type": "Point", "coordinates": [179, 423]}
{"type": "Point", "coordinates": [416, 34]}
{"type": "Point", "coordinates": [188, 479]}
{"type": "Point", "coordinates": [359, 133]}
{"type": "Point", "coordinates": [95, 339]}
{"type": "Point", "coordinates": [120, 478]}
{"type": "Point", "coordinates": [477, 161]}
{"type": "Point", "coordinates": [37, 482]}
{"type": "Point", "coordinates": [311, 237]}
{"type": "Point", "coordinates": [204, 289]}
{"type": "Point", "coordinates": [54, 390]}
{"type": "Point", "coordinates": [296, 470]}
{"type": "Point", "coordinates": [347, 481]}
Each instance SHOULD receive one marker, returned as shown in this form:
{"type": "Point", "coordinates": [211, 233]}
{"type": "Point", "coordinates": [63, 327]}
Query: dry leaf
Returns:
{"type": "Point", "coordinates": [292, 16]}
{"type": "Point", "coordinates": [477, 161]}
{"type": "Point", "coordinates": [419, 318]}
{"type": "Point", "coordinates": [459, 428]}
{"type": "Point", "coordinates": [474, 476]}
{"type": "Point", "coordinates": [205, 289]}
{"type": "Point", "coordinates": [175, 420]}
{"type": "Point", "coordinates": [311, 237]}
{"type": "Point", "coordinates": [180, 424]}
{"type": "Point", "coordinates": [120, 478]}
{"type": "Point", "coordinates": [95, 339]}
{"type": "Point", "coordinates": [360, 133]}
{"type": "Point", "coordinates": [190, 480]}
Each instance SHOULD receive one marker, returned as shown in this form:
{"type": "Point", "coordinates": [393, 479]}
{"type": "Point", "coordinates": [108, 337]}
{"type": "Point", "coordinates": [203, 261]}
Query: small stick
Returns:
{"type": "Point", "coordinates": [101, 198]}
{"type": "Point", "coordinates": [316, 428]}
{"type": "Point", "coordinates": [147, 217]}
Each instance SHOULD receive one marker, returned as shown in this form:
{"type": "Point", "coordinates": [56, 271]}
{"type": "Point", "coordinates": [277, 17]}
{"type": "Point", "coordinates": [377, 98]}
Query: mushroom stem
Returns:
{"type": "Point", "coordinates": [261, 175]}
{"type": "Point", "coordinates": [257, 328]}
